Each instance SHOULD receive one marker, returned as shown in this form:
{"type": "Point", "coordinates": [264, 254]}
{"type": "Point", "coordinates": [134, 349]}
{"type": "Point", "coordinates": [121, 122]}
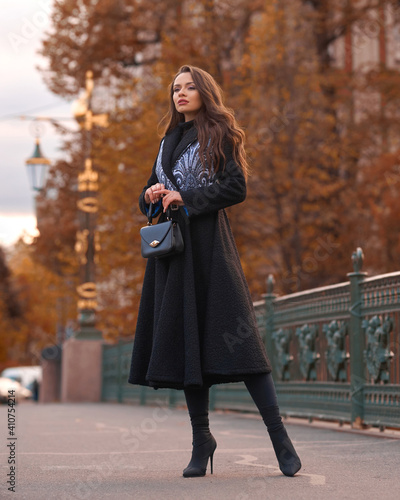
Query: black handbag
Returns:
{"type": "Point", "coordinates": [163, 239]}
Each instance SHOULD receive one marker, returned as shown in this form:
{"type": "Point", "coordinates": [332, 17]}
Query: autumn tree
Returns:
{"type": "Point", "coordinates": [306, 135]}
{"type": "Point", "coordinates": [316, 128]}
{"type": "Point", "coordinates": [295, 178]}
{"type": "Point", "coordinates": [10, 309]}
{"type": "Point", "coordinates": [364, 95]}
{"type": "Point", "coordinates": [107, 37]}
{"type": "Point", "coordinates": [33, 305]}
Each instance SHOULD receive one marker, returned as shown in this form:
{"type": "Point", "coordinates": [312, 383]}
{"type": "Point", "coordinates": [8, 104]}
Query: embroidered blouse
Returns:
{"type": "Point", "coordinates": [188, 170]}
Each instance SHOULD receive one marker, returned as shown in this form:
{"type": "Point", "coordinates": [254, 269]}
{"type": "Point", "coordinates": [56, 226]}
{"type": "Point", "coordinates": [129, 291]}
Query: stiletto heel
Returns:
{"type": "Point", "coordinates": [201, 453]}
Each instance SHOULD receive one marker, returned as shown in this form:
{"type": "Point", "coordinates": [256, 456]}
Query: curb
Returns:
{"type": "Point", "coordinates": [388, 433]}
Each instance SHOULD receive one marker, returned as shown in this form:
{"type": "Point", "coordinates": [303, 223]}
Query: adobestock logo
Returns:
{"type": "Point", "coordinates": [32, 27]}
{"type": "Point", "coordinates": [310, 264]}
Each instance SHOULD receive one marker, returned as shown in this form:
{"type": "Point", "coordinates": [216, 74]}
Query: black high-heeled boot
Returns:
{"type": "Point", "coordinates": [204, 446]}
{"type": "Point", "coordinates": [262, 390]}
{"type": "Point", "coordinates": [289, 461]}
{"type": "Point", "coordinates": [200, 455]}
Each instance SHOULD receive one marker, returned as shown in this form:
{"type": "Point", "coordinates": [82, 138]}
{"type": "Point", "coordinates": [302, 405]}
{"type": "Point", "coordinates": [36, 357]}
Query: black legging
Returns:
{"type": "Point", "coordinates": [261, 388]}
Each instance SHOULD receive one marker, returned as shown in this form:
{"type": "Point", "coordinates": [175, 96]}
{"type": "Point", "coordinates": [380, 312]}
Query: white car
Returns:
{"type": "Point", "coordinates": [26, 375]}
{"type": "Point", "coordinates": [7, 384]}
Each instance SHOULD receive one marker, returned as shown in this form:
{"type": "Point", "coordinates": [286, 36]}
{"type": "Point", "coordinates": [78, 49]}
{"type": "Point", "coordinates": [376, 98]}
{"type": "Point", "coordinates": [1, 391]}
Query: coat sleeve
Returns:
{"type": "Point", "coordinates": [144, 207]}
{"type": "Point", "coordinates": [228, 188]}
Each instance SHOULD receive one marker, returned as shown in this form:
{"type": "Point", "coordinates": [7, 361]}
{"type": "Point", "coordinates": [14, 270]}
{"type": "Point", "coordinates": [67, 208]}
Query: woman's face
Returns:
{"type": "Point", "coordinates": [186, 97]}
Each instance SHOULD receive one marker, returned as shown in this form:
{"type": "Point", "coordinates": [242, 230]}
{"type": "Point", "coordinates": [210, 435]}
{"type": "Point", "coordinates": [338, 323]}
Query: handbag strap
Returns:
{"type": "Point", "coordinates": [150, 214]}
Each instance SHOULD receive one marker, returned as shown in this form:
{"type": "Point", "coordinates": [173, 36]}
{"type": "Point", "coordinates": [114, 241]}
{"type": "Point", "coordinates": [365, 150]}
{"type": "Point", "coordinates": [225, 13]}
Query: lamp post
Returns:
{"type": "Point", "coordinates": [37, 166]}
{"type": "Point", "coordinates": [50, 360]}
{"type": "Point", "coordinates": [87, 238]}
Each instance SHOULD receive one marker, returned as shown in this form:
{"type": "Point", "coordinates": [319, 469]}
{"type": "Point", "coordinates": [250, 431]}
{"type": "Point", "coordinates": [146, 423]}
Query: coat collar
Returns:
{"type": "Point", "coordinates": [174, 146]}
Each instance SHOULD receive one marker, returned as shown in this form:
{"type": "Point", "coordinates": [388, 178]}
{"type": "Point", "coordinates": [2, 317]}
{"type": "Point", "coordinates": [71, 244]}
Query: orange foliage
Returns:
{"type": "Point", "coordinates": [323, 178]}
{"type": "Point", "coordinates": [41, 301]}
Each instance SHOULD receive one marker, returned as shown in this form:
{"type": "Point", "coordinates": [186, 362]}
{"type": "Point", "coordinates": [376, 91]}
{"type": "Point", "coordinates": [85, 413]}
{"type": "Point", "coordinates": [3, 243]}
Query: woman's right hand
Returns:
{"type": "Point", "coordinates": [150, 197]}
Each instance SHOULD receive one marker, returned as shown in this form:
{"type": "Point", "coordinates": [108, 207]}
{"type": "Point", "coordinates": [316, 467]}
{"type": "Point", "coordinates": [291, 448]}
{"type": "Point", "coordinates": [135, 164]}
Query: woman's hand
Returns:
{"type": "Point", "coordinates": [151, 196]}
{"type": "Point", "coordinates": [169, 197]}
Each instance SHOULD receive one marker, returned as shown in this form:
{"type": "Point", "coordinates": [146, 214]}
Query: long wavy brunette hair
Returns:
{"type": "Point", "coordinates": [215, 123]}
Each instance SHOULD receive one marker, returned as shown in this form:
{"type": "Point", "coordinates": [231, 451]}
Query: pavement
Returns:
{"type": "Point", "coordinates": [113, 451]}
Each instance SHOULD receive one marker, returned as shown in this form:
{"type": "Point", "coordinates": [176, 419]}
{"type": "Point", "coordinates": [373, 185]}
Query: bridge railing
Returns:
{"type": "Point", "coordinates": [334, 352]}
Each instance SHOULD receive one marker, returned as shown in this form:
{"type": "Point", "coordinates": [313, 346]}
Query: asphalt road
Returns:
{"type": "Point", "coordinates": [111, 451]}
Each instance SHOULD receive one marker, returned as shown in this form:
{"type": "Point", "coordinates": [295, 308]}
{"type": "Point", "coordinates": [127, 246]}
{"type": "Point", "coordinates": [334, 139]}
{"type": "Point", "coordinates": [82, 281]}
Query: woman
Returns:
{"type": "Point", "coordinates": [196, 324]}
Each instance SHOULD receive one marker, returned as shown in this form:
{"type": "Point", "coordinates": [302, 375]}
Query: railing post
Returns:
{"type": "Point", "coordinates": [269, 298]}
{"type": "Point", "coordinates": [356, 334]}
{"type": "Point", "coordinates": [212, 397]}
{"type": "Point", "coordinates": [172, 398]}
{"type": "Point", "coordinates": [103, 364]}
{"type": "Point", "coordinates": [119, 372]}
{"type": "Point", "coordinates": [143, 393]}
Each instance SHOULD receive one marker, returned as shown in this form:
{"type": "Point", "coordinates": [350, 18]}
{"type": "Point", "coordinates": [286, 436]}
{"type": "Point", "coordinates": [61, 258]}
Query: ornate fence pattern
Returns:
{"type": "Point", "coordinates": [334, 351]}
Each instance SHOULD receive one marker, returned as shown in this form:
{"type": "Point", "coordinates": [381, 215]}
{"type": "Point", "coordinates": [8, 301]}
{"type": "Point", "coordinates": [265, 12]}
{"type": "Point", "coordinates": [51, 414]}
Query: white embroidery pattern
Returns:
{"type": "Point", "coordinates": [188, 170]}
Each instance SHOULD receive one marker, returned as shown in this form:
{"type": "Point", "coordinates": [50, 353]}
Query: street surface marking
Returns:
{"type": "Point", "coordinates": [315, 479]}
{"type": "Point", "coordinates": [87, 467]}
{"type": "Point", "coordinates": [73, 433]}
{"type": "Point", "coordinates": [236, 434]}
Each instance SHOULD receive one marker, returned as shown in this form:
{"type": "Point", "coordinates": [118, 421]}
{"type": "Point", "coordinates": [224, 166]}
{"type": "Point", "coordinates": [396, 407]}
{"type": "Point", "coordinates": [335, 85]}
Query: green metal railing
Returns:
{"type": "Point", "coordinates": [334, 352]}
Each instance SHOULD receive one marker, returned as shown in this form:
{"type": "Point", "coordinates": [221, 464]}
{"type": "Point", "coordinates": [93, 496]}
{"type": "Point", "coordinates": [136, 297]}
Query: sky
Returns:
{"type": "Point", "coordinates": [23, 24]}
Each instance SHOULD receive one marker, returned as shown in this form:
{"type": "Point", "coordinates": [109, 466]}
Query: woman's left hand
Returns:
{"type": "Point", "coordinates": [169, 198]}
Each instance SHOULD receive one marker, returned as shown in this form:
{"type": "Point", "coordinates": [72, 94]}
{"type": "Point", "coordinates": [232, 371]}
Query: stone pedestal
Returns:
{"type": "Point", "coordinates": [81, 371]}
{"type": "Point", "coordinates": [50, 387]}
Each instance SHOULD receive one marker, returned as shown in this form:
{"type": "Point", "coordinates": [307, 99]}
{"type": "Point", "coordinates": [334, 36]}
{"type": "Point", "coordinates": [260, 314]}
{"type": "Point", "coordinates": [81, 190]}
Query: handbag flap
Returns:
{"type": "Point", "coordinates": [150, 234]}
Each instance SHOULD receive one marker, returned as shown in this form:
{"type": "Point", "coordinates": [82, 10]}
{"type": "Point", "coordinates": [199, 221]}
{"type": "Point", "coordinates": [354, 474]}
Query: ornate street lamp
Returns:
{"type": "Point", "coordinates": [87, 239]}
{"type": "Point", "coordinates": [37, 166]}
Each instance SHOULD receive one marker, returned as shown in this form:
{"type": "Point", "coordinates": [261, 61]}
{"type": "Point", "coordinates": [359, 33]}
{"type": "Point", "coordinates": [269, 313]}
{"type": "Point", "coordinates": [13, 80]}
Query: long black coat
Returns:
{"type": "Point", "coordinates": [196, 324]}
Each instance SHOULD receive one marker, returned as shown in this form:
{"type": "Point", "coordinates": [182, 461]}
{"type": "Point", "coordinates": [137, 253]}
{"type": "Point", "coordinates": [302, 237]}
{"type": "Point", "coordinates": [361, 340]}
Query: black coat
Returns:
{"type": "Point", "coordinates": [196, 323]}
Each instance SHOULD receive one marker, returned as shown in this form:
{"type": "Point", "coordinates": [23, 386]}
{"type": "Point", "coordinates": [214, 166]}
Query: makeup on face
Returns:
{"type": "Point", "coordinates": [186, 97]}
